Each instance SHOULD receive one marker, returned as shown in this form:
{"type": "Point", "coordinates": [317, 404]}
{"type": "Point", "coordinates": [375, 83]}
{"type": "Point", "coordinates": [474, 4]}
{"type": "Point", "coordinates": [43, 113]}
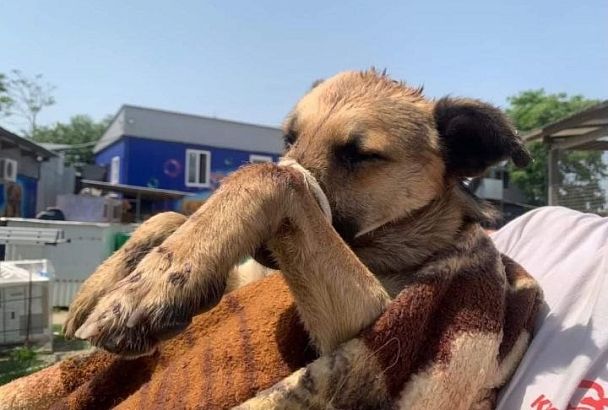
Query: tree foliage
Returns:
{"type": "Point", "coordinates": [580, 172]}
{"type": "Point", "coordinates": [26, 97]}
{"type": "Point", "coordinates": [5, 100]}
{"type": "Point", "coordinates": [81, 132]}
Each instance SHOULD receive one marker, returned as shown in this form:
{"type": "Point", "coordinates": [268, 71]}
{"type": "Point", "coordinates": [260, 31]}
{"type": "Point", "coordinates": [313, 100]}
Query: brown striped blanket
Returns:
{"type": "Point", "coordinates": [251, 350]}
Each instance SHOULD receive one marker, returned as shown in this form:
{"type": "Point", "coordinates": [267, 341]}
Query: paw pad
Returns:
{"type": "Point", "coordinates": [178, 279]}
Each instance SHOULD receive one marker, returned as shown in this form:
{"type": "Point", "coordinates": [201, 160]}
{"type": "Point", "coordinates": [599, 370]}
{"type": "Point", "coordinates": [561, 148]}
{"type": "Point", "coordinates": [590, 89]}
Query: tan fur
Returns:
{"type": "Point", "coordinates": [396, 122]}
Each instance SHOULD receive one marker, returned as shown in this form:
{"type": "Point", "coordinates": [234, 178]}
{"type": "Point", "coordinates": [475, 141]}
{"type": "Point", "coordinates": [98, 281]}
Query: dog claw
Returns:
{"type": "Point", "coordinates": [87, 331]}
{"type": "Point", "coordinates": [135, 318]}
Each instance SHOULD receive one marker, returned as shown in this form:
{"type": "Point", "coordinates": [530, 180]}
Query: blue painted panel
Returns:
{"type": "Point", "coordinates": [118, 149]}
{"type": "Point", "coordinates": [19, 199]}
{"type": "Point", "coordinates": [161, 164]}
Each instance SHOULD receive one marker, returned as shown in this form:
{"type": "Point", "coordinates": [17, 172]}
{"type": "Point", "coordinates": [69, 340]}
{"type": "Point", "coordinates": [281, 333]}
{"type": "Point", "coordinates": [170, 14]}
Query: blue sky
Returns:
{"type": "Point", "coordinates": [251, 60]}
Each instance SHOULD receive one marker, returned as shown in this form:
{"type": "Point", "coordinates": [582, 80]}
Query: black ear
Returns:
{"type": "Point", "coordinates": [316, 83]}
{"type": "Point", "coordinates": [475, 135]}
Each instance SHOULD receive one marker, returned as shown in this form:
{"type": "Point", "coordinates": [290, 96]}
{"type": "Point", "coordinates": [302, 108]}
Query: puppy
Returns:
{"type": "Point", "coordinates": [405, 235]}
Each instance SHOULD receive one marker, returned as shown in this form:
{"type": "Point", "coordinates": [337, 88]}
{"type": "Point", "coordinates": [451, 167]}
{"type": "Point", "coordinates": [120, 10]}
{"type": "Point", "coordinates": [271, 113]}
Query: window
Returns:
{"type": "Point", "coordinates": [198, 168]}
{"type": "Point", "coordinates": [502, 174]}
{"type": "Point", "coordinates": [258, 159]}
{"type": "Point", "coordinates": [115, 170]}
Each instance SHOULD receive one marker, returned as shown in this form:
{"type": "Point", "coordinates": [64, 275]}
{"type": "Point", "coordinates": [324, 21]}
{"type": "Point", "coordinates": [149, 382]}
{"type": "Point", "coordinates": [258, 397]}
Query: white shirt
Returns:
{"type": "Point", "coordinates": [565, 366]}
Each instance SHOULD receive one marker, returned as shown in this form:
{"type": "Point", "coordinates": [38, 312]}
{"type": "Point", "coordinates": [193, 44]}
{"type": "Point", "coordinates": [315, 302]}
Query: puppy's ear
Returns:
{"type": "Point", "coordinates": [475, 135]}
{"type": "Point", "coordinates": [316, 83]}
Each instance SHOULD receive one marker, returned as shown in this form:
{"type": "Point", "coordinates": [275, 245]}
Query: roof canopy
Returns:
{"type": "Point", "coordinates": [586, 130]}
{"type": "Point", "coordinates": [137, 192]}
{"type": "Point", "coordinates": [8, 139]}
{"type": "Point", "coordinates": [142, 192]}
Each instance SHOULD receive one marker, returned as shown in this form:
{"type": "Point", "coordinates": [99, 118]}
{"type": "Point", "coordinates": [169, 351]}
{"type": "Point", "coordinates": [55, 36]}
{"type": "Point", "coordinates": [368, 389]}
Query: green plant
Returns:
{"type": "Point", "coordinates": [23, 354]}
{"type": "Point", "coordinates": [19, 362]}
{"type": "Point", "coordinates": [578, 170]}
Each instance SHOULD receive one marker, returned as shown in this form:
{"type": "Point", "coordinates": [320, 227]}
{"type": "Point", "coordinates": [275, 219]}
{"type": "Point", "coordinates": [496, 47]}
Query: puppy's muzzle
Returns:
{"type": "Point", "coordinates": [315, 188]}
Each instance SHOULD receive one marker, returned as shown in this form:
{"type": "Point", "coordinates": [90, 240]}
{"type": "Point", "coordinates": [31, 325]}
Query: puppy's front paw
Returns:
{"type": "Point", "coordinates": [131, 320]}
{"type": "Point", "coordinates": [147, 237]}
{"type": "Point", "coordinates": [146, 307]}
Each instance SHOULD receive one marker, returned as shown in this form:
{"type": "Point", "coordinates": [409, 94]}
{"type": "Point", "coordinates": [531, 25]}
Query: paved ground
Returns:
{"type": "Point", "coordinates": [59, 316]}
{"type": "Point", "coordinates": [18, 362]}
{"type": "Point", "coordinates": [61, 346]}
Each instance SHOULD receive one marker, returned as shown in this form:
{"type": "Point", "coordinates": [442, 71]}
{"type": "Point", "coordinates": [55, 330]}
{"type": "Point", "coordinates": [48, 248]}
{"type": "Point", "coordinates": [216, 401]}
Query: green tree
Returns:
{"type": "Point", "coordinates": [5, 100]}
{"type": "Point", "coordinates": [580, 172]}
{"type": "Point", "coordinates": [27, 97]}
{"type": "Point", "coordinates": [81, 133]}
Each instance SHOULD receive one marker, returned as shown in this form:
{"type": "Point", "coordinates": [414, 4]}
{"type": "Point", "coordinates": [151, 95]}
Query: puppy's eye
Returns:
{"type": "Point", "coordinates": [351, 155]}
{"type": "Point", "coordinates": [289, 139]}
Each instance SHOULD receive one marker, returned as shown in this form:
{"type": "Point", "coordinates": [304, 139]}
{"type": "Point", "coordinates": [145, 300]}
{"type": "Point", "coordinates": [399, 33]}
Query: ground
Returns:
{"type": "Point", "coordinates": [20, 361]}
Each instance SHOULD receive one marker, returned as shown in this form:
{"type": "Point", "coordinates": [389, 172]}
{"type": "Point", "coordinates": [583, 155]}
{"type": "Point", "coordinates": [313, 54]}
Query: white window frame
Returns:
{"type": "Point", "coordinates": [115, 170]}
{"type": "Point", "coordinates": [256, 158]}
{"type": "Point", "coordinates": [198, 184]}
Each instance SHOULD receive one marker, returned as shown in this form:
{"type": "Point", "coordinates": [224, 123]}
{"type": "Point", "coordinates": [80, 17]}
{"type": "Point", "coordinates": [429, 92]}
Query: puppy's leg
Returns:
{"type": "Point", "coordinates": [187, 273]}
{"type": "Point", "coordinates": [336, 295]}
{"type": "Point", "coordinates": [149, 235]}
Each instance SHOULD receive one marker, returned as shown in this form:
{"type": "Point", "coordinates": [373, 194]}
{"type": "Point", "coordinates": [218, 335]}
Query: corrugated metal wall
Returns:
{"type": "Point", "coordinates": [55, 179]}
{"type": "Point", "coordinates": [89, 245]}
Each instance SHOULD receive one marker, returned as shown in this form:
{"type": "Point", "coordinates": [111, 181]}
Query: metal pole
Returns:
{"type": "Point", "coordinates": [29, 311]}
{"type": "Point", "coordinates": [138, 207]}
{"type": "Point", "coordinates": [553, 174]}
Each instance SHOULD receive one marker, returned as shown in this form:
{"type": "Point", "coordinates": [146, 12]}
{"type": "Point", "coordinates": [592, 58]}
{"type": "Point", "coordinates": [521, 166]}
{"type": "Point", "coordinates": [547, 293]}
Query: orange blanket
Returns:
{"type": "Point", "coordinates": [251, 340]}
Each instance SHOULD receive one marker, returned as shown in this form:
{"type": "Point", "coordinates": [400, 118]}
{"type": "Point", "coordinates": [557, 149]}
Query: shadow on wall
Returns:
{"type": "Point", "coordinates": [10, 200]}
{"type": "Point", "coordinates": [18, 199]}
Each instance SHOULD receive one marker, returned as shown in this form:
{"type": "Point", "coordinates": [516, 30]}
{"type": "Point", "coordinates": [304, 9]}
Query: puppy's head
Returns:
{"type": "Point", "coordinates": [380, 150]}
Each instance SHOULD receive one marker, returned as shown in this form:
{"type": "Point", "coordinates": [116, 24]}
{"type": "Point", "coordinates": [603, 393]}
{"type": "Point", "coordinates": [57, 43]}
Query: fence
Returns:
{"type": "Point", "coordinates": [579, 182]}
